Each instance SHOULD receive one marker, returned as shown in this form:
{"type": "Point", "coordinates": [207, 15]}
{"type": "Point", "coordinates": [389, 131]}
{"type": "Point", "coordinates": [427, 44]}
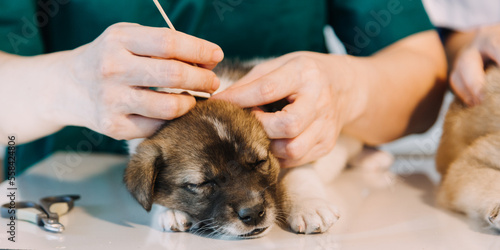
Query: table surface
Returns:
{"type": "Point", "coordinates": [379, 211]}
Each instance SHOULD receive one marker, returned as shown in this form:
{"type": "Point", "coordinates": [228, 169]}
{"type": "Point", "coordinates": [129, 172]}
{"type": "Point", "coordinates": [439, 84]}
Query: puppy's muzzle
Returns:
{"type": "Point", "coordinates": [252, 216]}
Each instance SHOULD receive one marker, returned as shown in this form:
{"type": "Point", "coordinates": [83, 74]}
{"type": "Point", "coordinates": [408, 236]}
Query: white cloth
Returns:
{"type": "Point", "coordinates": [333, 43]}
{"type": "Point", "coordinates": [463, 14]}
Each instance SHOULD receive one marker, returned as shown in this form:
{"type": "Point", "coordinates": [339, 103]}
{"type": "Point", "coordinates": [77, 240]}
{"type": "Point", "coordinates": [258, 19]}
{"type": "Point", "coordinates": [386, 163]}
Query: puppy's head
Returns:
{"type": "Point", "coordinates": [214, 164]}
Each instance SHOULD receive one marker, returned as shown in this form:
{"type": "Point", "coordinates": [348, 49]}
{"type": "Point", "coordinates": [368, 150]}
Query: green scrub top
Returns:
{"type": "Point", "coordinates": [242, 28]}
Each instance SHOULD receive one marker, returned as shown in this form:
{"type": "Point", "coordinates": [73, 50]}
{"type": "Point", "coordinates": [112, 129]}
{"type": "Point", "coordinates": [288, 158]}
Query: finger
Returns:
{"type": "Point", "coordinates": [291, 121]}
{"type": "Point", "coordinates": [261, 67]}
{"type": "Point", "coordinates": [141, 127]}
{"type": "Point", "coordinates": [150, 72]}
{"type": "Point", "coordinates": [491, 48]}
{"type": "Point", "coordinates": [166, 43]}
{"type": "Point", "coordinates": [206, 66]}
{"type": "Point", "coordinates": [272, 87]}
{"type": "Point", "coordinates": [316, 141]}
{"type": "Point", "coordinates": [468, 77]}
{"type": "Point", "coordinates": [317, 151]}
{"type": "Point", "coordinates": [458, 86]}
{"type": "Point", "coordinates": [129, 127]}
{"type": "Point", "coordinates": [259, 70]}
{"type": "Point", "coordinates": [298, 147]}
{"type": "Point", "coordinates": [292, 149]}
{"type": "Point", "coordinates": [309, 157]}
{"type": "Point", "coordinates": [159, 105]}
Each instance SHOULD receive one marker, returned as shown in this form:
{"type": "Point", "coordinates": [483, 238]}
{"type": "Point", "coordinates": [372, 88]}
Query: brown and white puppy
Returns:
{"type": "Point", "coordinates": [468, 156]}
{"type": "Point", "coordinates": [213, 169]}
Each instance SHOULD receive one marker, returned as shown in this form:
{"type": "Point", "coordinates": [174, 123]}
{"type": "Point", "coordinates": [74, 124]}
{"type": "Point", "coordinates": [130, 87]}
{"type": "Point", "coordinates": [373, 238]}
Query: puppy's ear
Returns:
{"type": "Point", "coordinates": [141, 173]}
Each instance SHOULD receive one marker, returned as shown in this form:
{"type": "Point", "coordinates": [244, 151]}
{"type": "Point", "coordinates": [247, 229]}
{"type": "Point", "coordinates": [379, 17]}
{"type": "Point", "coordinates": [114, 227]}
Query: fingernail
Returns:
{"type": "Point", "coordinates": [218, 55]}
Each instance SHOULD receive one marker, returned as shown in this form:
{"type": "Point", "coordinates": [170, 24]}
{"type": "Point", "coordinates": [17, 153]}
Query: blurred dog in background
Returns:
{"type": "Point", "coordinates": [468, 156]}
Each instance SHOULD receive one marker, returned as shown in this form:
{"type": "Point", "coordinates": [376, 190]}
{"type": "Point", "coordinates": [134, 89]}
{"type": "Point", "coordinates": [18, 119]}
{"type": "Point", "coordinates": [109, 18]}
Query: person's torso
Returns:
{"type": "Point", "coordinates": [242, 28]}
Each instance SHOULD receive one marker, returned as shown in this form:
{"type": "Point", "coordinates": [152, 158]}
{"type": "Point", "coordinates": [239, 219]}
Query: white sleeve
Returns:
{"type": "Point", "coordinates": [462, 14]}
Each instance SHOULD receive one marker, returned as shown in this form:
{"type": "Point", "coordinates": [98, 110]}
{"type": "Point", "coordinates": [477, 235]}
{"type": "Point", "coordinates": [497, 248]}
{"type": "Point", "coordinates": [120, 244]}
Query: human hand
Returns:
{"type": "Point", "coordinates": [112, 76]}
{"type": "Point", "coordinates": [321, 94]}
{"type": "Point", "coordinates": [467, 77]}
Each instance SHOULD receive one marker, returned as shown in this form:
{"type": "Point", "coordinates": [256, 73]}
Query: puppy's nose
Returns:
{"type": "Point", "coordinates": [252, 215]}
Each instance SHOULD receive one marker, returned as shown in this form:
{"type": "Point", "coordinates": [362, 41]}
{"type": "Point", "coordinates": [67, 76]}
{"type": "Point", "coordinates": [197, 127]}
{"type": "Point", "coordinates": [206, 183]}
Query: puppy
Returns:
{"type": "Point", "coordinates": [214, 172]}
{"type": "Point", "coordinates": [468, 156]}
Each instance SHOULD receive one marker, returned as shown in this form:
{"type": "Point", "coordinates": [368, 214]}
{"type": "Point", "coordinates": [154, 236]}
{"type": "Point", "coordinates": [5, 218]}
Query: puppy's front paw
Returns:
{"type": "Point", "coordinates": [494, 217]}
{"type": "Point", "coordinates": [175, 221]}
{"type": "Point", "coordinates": [312, 216]}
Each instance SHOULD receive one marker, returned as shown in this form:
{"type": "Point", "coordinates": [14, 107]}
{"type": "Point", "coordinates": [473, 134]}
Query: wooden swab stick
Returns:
{"type": "Point", "coordinates": [170, 25]}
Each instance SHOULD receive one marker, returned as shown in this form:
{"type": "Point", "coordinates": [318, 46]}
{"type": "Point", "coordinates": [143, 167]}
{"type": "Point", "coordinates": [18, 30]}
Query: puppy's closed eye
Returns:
{"type": "Point", "coordinates": [201, 188]}
{"type": "Point", "coordinates": [257, 163]}
{"type": "Point", "coordinates": [191, 187]}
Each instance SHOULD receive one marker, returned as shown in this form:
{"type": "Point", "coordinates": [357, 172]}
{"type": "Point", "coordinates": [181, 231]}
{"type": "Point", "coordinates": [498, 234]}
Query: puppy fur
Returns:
{"type": "Point", "coordinates": [211, 165]}
{"type": "Point", "coordinates": [468, 156]}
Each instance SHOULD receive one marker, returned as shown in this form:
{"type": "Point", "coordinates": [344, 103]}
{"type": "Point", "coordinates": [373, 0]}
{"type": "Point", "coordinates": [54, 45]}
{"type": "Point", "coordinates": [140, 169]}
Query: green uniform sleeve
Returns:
{"type": "Point", "coordinates": [366, 26]}
{"type": "Point", "coordinates": [19, 27]}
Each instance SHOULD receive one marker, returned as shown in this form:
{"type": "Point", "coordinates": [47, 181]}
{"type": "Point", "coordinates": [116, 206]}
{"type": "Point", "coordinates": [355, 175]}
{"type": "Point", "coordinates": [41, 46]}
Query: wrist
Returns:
{"type": "Point", "coordinates": [63, 96]}
{"type": "Point", "coordinates": [352, 72]}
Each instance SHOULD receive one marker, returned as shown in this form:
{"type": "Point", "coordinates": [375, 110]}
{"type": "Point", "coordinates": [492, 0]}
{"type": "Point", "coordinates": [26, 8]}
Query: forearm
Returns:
{"type": "Point", "coordinates": [404, 86]}
{"type": "Point", "coordinates": [30, 96]}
